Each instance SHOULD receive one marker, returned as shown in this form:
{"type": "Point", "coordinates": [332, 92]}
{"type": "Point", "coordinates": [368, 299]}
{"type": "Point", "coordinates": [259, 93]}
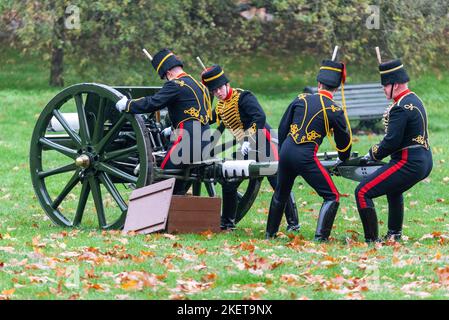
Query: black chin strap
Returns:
{"type": "Point", "coordinates": [391, 91]}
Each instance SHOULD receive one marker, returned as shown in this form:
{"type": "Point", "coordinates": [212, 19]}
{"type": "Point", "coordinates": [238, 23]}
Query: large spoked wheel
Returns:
{"type": "Point", "coordinates": [91, 160]}
{"type": "Point", "coordinates": [246, 196]}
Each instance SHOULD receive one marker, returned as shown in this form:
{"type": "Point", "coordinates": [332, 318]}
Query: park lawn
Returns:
{"type": "Point", "coordinates": [41, 261]}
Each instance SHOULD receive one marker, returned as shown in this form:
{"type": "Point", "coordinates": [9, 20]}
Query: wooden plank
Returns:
{"type": "Point", "coordinates": [190, 214]}
{"type": "Point", "coordinates": [148, 207]}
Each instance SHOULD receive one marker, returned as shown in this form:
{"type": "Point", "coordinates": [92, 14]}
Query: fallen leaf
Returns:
{"type": "Point", "coordinates": [207, 234]}
{"type": "Point", "coordinates": [191, 286]}
{"type": "Point", "coordinates": [147, 253]}
{"type": "Point", "coordinates": [290, 278]}
{"type": "Point", "coordinates": [209, 277]}
{"type": "Point", "coordinates": [9, 292]}
{"type": "Point", "coordinates": [129, 285]}
{"type": "Point", "coordinates": [94, 286]}
{"type": "Point", "coordinates": [169, 236]}
{"type": "Point", "coordinates": [443, 275]}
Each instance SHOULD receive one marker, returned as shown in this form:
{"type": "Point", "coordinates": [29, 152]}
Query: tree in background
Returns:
{"type": "Point", "coordinates": [41, 30]}
{"type": "Point", "coordinates": [107, 44]}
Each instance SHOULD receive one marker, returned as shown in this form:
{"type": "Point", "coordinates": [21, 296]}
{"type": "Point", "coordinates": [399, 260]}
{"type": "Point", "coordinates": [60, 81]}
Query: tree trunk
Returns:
{"type": "Point", "coordinates": [57, 54]}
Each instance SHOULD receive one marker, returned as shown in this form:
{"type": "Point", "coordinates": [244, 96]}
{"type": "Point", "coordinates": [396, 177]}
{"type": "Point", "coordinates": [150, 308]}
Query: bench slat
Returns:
{"type": "Point", "coordinates": [364, 101]}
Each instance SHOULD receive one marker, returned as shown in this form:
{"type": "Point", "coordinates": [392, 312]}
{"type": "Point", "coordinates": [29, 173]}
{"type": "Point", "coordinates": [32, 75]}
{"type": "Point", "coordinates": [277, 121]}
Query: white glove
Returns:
{"type": "Point", "coordinates": [246, 147]}
{"type": "Point", "coordinates": [338, 162]}
{"type": "Point", "coordinates": [166, 132]}
{"type": "Point", "coordinates": [121, 104]}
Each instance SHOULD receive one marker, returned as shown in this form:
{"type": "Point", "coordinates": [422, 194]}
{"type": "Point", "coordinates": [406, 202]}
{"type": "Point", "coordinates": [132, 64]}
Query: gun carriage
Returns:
{"type": "Point", "coordinates": [86, 155]}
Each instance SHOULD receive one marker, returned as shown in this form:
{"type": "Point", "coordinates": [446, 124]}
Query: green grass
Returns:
{"type": "Point", "coordinates": [41, 261]}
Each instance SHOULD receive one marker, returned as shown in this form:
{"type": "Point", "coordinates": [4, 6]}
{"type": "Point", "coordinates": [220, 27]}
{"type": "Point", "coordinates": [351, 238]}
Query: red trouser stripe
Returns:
{"type": "Point", "coordinates": [273, 146]}
{"type": "Point", "coordinates": [326, 175]}
{"type": "Point", "coordinates": [384, 175]}
{"type": "Point", "coordinates": [181, 127]}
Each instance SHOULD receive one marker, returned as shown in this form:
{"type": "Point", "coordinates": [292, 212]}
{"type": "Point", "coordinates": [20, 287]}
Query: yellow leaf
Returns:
{"type": "Point", "coordinates": [129, 285]}
{"type": "Point", "coordinates": [9, 292]}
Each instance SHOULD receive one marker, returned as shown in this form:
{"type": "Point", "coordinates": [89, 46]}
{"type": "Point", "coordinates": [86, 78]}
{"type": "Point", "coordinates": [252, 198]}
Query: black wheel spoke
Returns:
{"type": "Point", "coordinates": [119, 153]}
{"type": "Point", "coordinates": [111, 134]}
{"type": "Point", "coordinates": [246, 199]}
{"type": "Point", "coordinates": [75, 137]}
{"type": "Point", "coordinates": [196, 188]}
{"type": "Point", "coordinates": [57, 147]}
{"type": "Point", "coordinates": [210, 187]}
{"type": "Point", "coordinates": [104, 178]}
{"type": "Point", "coordinates": [68, 187]}
{"type": "Point", "coordinates": [59, 170]}
{"type": "Point", "coordinates": [99, 125]}
{"type": "Point", "coordinates": [84, 194]}
{"type": "Point", "coordinates": [96, 194]}
{"type": "Point", "coordinates": [117, 173]}
{"type": "Point", "coordinates": [84, 129]}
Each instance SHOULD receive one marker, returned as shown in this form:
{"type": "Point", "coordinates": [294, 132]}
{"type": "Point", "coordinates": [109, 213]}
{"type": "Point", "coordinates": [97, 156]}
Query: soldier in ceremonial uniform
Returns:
{"type": "Point", "coordinates": [189, 109]}
{"type": "Point", "coordinates": [308, 119]}
{"type": "Point", "coordinates": [407, 142]}
{"type": "Point", "coordinates": [241, 113]}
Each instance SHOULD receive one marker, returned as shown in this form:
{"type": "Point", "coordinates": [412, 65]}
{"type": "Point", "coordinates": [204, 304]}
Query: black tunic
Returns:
{"type": "Point", "coordinates": [305, 122]}
{"type": "Point", "coordinates": [405, 126]}
{"type": "Point", "coordinates": [188, 104]}
{"type": "Point", "coordinates": [185, 98]}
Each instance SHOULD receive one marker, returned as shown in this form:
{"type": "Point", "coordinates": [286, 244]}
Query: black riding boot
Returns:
{"type": "Point", "coordinates": [370, 226]}
{"type": "Point", "coordinates": [393, 235]}
{"type": "Point", "coordinates": [326, 220]}
{"type": "Point", "coordinates": [274, 218]}
{"type": "Point", "coordinates": [395, 216]}
{"type": "Point", "coordinates": [229, 208]}
{"type": "Point", "coordinates": [291, 214]}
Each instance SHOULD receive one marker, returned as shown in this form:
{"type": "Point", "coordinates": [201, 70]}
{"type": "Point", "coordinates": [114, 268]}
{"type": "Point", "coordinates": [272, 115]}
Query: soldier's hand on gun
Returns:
{"type": "Point", "coordinates": [334, 169]}
{"type": "Point", "coordinates": [366, 158]}
{"type": "Point", "coordinates": [121, 104]}
{"type": "Point", "coordinates": [166, 132]}
{"type": "Point", "coordinates": [246, 148]}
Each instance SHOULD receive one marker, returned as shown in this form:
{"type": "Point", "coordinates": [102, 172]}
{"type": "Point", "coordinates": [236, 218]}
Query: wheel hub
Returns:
{"type": "Point", "coordinates": [83, 161]}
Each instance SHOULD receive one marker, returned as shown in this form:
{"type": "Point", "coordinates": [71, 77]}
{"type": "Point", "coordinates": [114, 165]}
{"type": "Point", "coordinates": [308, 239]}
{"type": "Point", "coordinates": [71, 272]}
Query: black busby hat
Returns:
{"type": "Point", "coordinates": [165, 60]}
{"type": "Point", "coordinates": [331, 73]}
{"type": "Point", "coordinates": [214, 77]}
{"type": "Point", "coordinates": [392, 72]}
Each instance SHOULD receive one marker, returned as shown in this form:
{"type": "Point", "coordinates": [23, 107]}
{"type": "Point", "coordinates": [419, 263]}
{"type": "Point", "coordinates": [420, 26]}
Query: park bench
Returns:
{"type": "Point", "coordinates": [365, 103]}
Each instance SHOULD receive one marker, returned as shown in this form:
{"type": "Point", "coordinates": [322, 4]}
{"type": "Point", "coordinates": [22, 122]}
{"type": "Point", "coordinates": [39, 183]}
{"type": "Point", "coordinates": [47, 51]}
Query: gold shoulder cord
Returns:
{"type": "Point", "coordinates": [294, 128]}
{"type": "Point", "coordinates": [206, 101]}
{"type": "Point", "coordinates": [421, 139]}
{"type": "Point", "coordinates": [229, 113]}
{"type": "Point", "coordinates": [305, 110]}
{"type": "Point", "coordinates": [326, 121]}
{"type": "Point", "coordinates": [206, 98]}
